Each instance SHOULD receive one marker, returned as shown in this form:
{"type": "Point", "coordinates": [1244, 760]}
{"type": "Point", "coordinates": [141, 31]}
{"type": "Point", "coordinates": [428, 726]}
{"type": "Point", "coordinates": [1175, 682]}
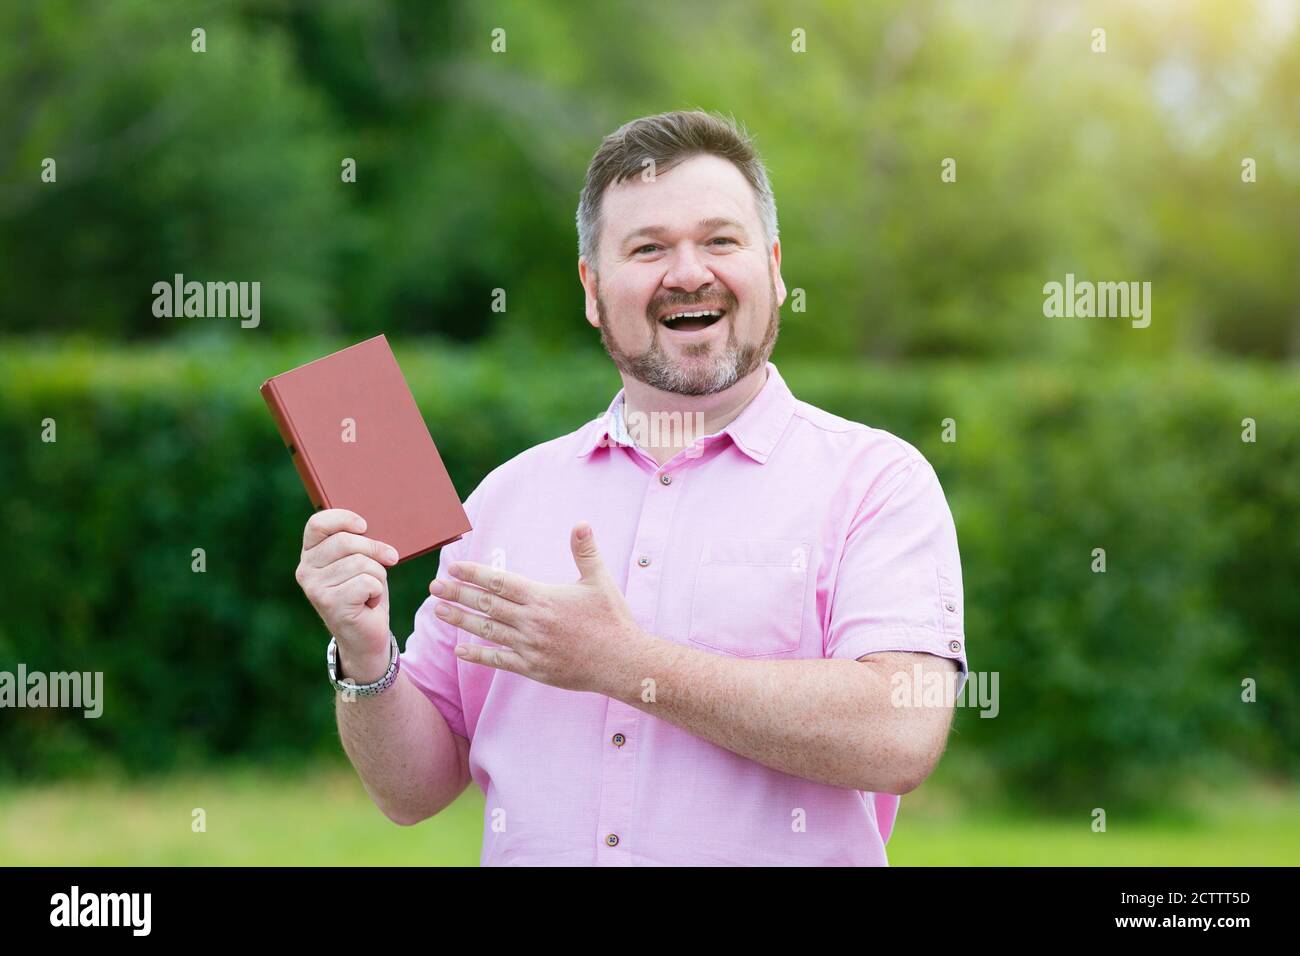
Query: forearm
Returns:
{"type": "Point", "coordinates": [408, 759]}
{"type": "Point", "coordinates": [831, 721]}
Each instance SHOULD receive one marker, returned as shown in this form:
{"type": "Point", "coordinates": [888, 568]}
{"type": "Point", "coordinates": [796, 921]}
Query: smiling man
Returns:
{"type": "Point", "coordinates": [682, 649]}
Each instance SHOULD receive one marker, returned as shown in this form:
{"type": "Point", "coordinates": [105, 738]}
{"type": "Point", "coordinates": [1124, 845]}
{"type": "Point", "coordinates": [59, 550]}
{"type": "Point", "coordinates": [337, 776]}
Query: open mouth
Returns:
{"type": "Point", "coordinates": [692, 320]}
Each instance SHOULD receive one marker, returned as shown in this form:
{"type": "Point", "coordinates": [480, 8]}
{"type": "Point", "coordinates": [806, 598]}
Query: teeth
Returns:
{"type": "Point", "coordinates": [692, 315]}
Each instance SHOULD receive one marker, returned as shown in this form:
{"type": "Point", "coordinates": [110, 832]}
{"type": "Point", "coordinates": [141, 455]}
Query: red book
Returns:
{"type": "Point", "coordinates": [359, 442]}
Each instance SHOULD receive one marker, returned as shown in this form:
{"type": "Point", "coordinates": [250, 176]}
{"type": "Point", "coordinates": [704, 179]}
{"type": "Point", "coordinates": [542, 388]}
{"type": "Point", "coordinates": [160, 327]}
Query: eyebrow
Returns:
{"type": "Point", "coordinates": [710, 224]}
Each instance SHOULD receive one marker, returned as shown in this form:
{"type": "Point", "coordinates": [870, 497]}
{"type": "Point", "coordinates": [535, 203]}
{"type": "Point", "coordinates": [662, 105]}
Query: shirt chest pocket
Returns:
{"type": "Point", "coordinates": [749, 596]}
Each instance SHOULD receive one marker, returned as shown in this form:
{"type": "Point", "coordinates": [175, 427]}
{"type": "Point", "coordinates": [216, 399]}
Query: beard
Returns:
{"type": "Point", "coordinates": [699, 371]}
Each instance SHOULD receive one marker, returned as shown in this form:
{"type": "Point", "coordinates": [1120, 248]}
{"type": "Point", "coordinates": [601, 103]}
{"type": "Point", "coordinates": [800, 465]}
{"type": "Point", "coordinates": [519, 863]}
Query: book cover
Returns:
{"type": "Point", "coordinates": [359, 442]}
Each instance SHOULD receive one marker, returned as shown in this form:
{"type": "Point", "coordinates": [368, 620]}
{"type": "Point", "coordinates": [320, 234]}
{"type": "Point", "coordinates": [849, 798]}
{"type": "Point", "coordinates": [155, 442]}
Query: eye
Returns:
{"type": "Point", "coordinates": [637, 252]}
{"type": "Point", "coordinates": [723, 239]}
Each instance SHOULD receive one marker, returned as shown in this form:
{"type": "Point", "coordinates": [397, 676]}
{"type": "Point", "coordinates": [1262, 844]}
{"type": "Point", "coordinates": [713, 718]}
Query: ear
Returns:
{"type": "Point", "coordinates": [587, 276]}
{"type": "Point", "coordinates": [775, 264]}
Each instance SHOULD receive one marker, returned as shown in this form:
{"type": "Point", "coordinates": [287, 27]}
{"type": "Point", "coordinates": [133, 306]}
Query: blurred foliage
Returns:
{"type": "Point", "coordinates": [1116, 166]}
{"type": "Point", "coordinates": [225, 166]}
{"type": "Point", "coordinates": [1111, 684]}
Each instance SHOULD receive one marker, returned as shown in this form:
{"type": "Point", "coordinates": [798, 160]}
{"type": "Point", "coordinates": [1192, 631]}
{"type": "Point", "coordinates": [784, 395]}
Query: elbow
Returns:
{"type": "Point", "coordinates": [899, 782]}
{"type": "Point", "coordinates": [408, 815]}
{"type": "Point", "coordinates": [411, 814]}
{"type": "Point", "coordinates": [908, 773]}
{"type": "Point", "coordinates": [906, 783]}
{"type": "Point", "coordinates": [403, 817]}
{"type": "Point", "coordinates": [426, 803]}
{"type": "Point", "coordinates": [916, 753]}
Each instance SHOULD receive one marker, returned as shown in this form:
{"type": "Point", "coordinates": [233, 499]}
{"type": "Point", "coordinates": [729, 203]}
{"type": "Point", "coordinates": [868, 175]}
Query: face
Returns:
{"type": "Point", "coordinates": [689, 242]}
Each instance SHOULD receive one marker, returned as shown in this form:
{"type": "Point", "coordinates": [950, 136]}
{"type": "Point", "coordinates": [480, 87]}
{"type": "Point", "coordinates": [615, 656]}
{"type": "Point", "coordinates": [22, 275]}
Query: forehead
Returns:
{"type": "Point", "coordinates": [700, 187]}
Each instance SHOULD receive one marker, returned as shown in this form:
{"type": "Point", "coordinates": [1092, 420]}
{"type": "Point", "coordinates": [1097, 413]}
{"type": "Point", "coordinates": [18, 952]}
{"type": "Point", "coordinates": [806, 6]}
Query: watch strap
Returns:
{"type": "Point", "coordinates": [348, 686]}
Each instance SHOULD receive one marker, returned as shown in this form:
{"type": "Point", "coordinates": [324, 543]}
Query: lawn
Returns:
{"type": "Point", "coordinates": [324, 817]}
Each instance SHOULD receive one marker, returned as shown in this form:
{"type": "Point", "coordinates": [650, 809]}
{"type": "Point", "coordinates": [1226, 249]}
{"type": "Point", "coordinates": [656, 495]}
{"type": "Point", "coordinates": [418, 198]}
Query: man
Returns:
{"type": "Point", "coordinates": [753, 580]}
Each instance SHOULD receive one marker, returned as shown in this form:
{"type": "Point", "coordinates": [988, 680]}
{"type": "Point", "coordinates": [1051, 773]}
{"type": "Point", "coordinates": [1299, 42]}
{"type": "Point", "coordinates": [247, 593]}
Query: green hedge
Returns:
{"type": "Point", "coordinates": [1112, 686]}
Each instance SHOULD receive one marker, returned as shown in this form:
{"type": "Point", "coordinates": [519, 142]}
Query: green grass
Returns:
{"type": "Point", "coordinates": [256, 818]}
{"type": "Point", "coordinates": [322, 817]}
{"type": "Point", "coordinates": [1252, 828]}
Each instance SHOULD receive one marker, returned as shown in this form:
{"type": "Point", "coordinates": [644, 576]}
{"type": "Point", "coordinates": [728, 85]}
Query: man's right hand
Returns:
{"type": "Point", "coordinates": [345, 576]}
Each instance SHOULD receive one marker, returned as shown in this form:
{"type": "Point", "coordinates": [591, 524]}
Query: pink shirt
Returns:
{"type": "Point", "coordinates": [792, 533]}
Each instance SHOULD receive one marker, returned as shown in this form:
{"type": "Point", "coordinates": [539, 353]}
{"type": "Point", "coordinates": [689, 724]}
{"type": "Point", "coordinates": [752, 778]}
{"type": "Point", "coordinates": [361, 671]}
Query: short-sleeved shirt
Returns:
{"type": "Point", "coordinates": [789, 534]}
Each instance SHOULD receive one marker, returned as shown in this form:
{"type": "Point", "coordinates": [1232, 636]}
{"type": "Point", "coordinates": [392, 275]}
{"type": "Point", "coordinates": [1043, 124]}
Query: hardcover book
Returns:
{"type": "Point", "coordinates": [359, 442]}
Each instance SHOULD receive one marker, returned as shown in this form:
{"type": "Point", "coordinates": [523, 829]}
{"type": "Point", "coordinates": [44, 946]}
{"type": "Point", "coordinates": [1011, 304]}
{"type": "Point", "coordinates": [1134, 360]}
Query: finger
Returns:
{"type": "Point", "coordinates": [484, 627]}
{"type": "Point", "coordinates": [477, 599]}
{"type": "Point", "coordinates": [349, 567]}
{"type": "Point", "coordinates": [362, 589]}
{"type": "Point", "coordinates": [582, 542]}
{"type": "Point", "coordinates": [513, 587]}
{"type": "Point", "coordinates": [342, 543]}
{"type": "Point", "coordinates": [325, 523]}
{"type": "Point", "coordinates": [500, 658]}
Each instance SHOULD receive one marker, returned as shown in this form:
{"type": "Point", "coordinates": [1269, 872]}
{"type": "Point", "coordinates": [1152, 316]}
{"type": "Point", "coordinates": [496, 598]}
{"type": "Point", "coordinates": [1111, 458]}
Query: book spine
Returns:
{"type": "Point", "coordinates": [299, 456]}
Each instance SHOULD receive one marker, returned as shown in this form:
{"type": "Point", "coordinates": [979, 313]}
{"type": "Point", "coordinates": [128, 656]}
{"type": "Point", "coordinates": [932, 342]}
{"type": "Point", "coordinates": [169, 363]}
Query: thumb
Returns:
{"type": "Point", "coordinates": [582, 541]}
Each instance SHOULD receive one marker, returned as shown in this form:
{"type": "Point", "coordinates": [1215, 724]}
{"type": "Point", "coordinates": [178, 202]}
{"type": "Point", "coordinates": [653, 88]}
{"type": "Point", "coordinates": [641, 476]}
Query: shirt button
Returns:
{"type": "Point", "coordinates": [951, 607]}
{"type": "Point", "coordinates": [611, 839]}
{"type": "Point", "coordinates": [954, 646]}
{"type": "Point", "coordinates": [619, 740]}
{"type": "Point", "coordinates": [643, 561]}
{"type": "Point", "coordinates": [665, 479]}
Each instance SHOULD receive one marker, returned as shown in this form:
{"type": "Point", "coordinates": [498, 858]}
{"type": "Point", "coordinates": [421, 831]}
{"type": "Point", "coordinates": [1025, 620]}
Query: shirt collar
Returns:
{"type": "Point", "coordinates": [755, 431]}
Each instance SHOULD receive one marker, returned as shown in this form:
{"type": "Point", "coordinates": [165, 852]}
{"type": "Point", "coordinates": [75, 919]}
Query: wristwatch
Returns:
{"type": "Point", "coordinates": [348, 686]}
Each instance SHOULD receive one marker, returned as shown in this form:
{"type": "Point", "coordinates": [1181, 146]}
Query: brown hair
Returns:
{"type": "Point", "coordinates": [668, 139]}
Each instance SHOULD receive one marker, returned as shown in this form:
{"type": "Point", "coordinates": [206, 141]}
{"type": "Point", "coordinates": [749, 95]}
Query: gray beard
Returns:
{"type": "Point", "coordinates": [655, 368]}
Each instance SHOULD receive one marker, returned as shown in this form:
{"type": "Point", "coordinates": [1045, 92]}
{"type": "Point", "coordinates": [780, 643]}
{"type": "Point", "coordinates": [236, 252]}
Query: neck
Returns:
{"type": "Point", "coordinates": [663, 423]}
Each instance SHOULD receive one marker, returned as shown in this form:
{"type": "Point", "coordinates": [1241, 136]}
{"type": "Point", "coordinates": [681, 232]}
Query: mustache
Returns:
{"type": "Point", "coordinates": [690, 304]}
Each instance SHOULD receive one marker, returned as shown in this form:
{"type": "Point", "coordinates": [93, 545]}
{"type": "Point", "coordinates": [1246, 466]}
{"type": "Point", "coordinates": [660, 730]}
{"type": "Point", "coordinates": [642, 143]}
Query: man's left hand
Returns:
{"type": "Point", "coordinates": [575, 636]}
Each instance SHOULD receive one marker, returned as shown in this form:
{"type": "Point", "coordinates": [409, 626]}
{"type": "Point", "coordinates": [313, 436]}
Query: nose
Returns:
{"type": "Point", "coordinates": [688, 270]}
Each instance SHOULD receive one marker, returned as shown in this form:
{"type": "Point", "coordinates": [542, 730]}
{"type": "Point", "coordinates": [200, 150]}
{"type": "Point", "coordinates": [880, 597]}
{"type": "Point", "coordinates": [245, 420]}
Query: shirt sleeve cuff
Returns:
{"type": "Point", "coordinates": [922, 639]}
